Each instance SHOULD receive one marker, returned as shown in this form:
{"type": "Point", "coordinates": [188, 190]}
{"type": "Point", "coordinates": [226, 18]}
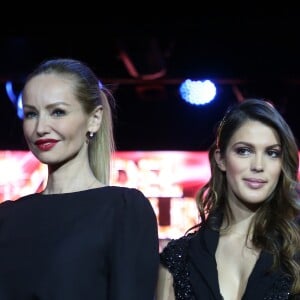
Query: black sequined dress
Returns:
{"type": "Point", "coordinates": [191, 261]}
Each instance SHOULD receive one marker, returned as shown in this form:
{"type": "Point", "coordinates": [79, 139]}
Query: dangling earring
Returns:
{"type": "Point", "coordinates": [89, 136]}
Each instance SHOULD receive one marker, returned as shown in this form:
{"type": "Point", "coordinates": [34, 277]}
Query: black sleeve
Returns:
{"type": "Point", "coordinates": [136, 249]}
{"type": "Point", "coordinates": [174, 258]}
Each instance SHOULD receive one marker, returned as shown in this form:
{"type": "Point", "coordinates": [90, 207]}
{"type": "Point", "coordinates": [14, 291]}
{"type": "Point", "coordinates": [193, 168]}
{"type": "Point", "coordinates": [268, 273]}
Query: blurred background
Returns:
{"type": "Point", "coordinates": [145, 63]}
{"type": "Point", "coordinates": [162, 138]}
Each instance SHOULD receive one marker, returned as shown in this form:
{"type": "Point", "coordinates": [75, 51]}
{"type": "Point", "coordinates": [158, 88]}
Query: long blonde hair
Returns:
{"type": "Point", "coordinates": [90, 93]}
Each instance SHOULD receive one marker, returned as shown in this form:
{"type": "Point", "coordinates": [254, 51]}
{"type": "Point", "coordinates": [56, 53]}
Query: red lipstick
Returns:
{"type": "Point", "coordinates": [46, 144]}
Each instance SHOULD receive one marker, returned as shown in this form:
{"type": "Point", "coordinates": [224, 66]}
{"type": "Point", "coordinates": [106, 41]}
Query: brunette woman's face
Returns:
{"type": "Point", "coordinates": [252, 163]}
{"type": "Point", "coordinates": [55, 124]}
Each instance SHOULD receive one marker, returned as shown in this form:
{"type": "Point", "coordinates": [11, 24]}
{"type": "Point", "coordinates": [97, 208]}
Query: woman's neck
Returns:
{"type": "Point", "coordinates": [70, 178]}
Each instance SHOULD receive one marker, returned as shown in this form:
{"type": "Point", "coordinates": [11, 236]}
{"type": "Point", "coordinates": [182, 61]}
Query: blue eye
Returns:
{"type": "Point", "coordinates": [58, 112]}
{"type": "Point", "coordinates": [30, 114]}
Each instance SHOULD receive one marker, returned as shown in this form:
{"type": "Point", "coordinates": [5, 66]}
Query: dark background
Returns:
{"type": "Point", "coordinates": [246, 56]}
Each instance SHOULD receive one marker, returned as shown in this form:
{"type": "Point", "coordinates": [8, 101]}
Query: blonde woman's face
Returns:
{"type": "Point", "coordinates": [55, 124]}
{"type": "Point", "coordinates": [252, 164]}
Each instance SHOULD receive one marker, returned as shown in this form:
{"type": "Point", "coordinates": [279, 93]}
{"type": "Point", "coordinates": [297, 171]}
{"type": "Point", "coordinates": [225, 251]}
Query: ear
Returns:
{"type": "Point", "coordinates": [95, 119]}
{"type": "Point", "coordinates": [219, 160]}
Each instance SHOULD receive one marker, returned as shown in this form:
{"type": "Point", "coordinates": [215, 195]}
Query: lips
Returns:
{"type": "Point", "coordinates": [255, 183]}
{"type": "Point", "coordinates": [45, 144]}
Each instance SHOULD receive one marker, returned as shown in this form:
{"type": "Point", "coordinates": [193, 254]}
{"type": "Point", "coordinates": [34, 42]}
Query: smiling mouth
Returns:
{"type": "Point", "coordinates": [46, 146]}
{"type": "Point", "coordinates": [255, 184]}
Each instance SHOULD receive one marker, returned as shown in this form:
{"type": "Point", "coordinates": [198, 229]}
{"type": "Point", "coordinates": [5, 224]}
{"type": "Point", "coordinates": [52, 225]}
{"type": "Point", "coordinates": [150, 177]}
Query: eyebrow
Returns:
{"type": "Point", "coordinates": [252, 145]}
{"type": "Point", "coordinates": [49, 105]}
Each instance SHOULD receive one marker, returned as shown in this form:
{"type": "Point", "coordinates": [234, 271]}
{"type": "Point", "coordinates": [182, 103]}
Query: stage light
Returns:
{"type": "Point", "coordinates": [197, 92]}
{"type": "Point", "coordinates": [20, 111]}
{"type": "Point", "coordinates": [10, 92]}
{"type": "Point", "coordinates": [15, 99]}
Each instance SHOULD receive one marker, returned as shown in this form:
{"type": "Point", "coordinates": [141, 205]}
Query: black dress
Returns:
{"type": "Point", "coordinates": [99, 244]}
{"type": "Point", "coordinates": [191, 261]}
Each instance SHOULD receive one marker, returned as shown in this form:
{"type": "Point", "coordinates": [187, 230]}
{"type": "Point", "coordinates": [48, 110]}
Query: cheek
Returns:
{"type": "Point", "coordinates": [27, 128]}
{"type": "Point", "coordinates": [71, 126]}
{"type": "Point", "coordinates": [73, 130]}
{"type": "Point", "coordinates": [234, 167]}
{"type": "Point", "coordinates": [275, 171]}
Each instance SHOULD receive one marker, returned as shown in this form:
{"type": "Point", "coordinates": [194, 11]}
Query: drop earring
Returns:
{"type": "Point", "coordinates": [89, 136]}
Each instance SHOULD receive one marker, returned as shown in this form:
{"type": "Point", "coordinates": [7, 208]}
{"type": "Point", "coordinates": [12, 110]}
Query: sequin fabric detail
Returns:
{"type": "Point", "coordinates": [281, 290]}
{"type": "Point", "coordinates": [174, 257]}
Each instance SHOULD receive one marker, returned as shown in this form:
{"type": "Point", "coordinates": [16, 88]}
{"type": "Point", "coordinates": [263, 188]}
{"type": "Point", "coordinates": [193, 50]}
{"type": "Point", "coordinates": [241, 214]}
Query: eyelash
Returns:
{"type": "Point", "coordinates": [57, 113]}
{"type": "Point", "coordinates": [29, 115]}
{"type": "Point", "coordinates": [245, 151]}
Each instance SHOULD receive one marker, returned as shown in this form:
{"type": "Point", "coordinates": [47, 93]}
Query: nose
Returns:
{"type": "Point", "coordinates": [257, 163]}
{"type": "Point", "coordinates": [42, 126]}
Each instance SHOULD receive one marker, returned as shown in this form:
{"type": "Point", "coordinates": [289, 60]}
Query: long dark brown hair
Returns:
{"type": "Point", "coordinates": [275, 227]}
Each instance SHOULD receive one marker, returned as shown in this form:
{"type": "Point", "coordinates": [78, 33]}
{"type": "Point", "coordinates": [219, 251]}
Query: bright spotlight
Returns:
{"type": "Point", "coordinates": [197, 92]}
